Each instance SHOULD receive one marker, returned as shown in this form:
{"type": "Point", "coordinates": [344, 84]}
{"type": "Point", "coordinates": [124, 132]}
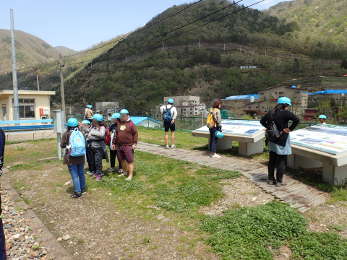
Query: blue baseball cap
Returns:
{"type": "Point", "coordinates": [72, 122]}
{"type": "Point", "coordinates": [170, 101]}
{"type": "Point", "coordinates": [323, 117]}
{"type": "Point", "coordinates": [284, 100]}
{"type": "Point", "coordinates": [98, 117]}
{"type": "Point", "coordinates": [115, 116]}
{"type": "Point", "coordinates": [124, 112]}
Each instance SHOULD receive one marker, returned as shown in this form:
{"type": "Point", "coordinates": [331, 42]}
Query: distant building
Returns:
{"type": "Point", "coordinates": [237, 105]}
{"type": "Point", "coordinates": [310, 114]}
{"type": "Point", "coordinates": [265, 100]}
{"type": "Point", "coordinates": [188, 106]}
{"type": "Point", "coordinates": [33, 104]}
{"type": "Point", "coordinates": [106, 108]}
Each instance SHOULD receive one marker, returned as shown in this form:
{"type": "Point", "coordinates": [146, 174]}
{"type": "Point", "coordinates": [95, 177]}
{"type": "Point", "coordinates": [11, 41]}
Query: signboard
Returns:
{"type": "Point", "coordinates": [245, 128]}
{"type": "Point", "coordinates": [326, 138]}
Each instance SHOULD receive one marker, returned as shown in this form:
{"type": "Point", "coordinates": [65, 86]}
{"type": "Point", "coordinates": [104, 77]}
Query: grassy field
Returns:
{"type": "Point", "coordinates": [184, 139]}
{"type": "Point", "coordinates": [158, 214]}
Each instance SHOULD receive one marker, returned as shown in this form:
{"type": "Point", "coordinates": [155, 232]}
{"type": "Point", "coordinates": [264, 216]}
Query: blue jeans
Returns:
{"type": "Point", "coordinates": [77, 176]}
{"type": "Point", "coordinates": [213, 140]}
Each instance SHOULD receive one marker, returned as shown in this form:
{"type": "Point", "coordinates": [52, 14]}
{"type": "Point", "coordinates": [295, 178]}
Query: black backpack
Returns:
{"type": "Point", "coordinates": [272, 133]}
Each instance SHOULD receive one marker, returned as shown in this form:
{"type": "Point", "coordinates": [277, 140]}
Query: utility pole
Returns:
{"type": "Point", "coordinates": [62, 90]}
{"type": "Point", "coordinates": [14, 70]}
{"type": "Point", "coordinates": [37, 81]}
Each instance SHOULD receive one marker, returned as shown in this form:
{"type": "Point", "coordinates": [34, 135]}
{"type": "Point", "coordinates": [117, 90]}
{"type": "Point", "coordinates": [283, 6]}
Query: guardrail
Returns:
{"type": "Point", "coordinates": [27, 125]}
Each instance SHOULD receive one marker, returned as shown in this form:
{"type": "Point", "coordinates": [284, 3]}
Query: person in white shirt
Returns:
{"type": "Point", "coordinates": [169, 113]}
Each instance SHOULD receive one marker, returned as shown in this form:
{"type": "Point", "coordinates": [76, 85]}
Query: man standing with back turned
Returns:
{"type": "Point", "coordinates": [169, 113]}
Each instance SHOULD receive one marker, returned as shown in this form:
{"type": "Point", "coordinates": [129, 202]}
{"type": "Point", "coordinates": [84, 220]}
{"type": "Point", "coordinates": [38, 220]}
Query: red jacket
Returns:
{"type": "Point", "coordinates": [126, 134]}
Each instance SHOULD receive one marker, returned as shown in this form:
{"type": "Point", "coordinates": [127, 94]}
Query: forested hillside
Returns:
{"type": "Point", "coordinates": [318, 21]}
{"type": "Point", "coordinates": [193, 49]}
{"type": "Point", "coordinates": [204, 58]}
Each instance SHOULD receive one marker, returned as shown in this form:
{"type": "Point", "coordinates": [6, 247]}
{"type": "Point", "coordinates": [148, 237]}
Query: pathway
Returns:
{"type": "Point", "coordinates": [295, 193]}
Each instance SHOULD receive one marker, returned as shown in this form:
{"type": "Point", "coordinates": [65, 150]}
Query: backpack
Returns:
{"type": "Point", "coordinates": [210, 122]}
{"type": "Point", "coordinates": [272, 132]}
{"type": "Point", "coordinates": [167, 116]}
{"type": "Point", "coordinates": [77, 143]}
{"type": "Point", "coordinates": [107, 137]}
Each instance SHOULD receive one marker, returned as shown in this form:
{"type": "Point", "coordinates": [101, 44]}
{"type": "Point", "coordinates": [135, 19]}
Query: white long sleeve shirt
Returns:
{"type": "Point", "coordinates": [173, 110]}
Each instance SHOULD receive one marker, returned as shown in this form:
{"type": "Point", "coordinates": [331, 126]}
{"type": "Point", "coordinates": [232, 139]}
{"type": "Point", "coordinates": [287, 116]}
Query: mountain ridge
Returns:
{"type": "Point", "coordinates": [319, 21]}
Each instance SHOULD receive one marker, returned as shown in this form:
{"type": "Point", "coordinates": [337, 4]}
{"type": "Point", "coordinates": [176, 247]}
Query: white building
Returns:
{"type": "Point", "coordinates": [188, 106]}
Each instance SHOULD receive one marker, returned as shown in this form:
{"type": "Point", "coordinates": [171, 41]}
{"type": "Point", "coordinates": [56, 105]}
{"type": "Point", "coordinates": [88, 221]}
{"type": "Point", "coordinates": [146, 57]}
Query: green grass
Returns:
{"type": "Point", "coordinates": [169, 184]}
{"type": "Point", "coordinates": [248, 233]}
{"type": "Point", "coordinates": [319, 246]}
{"type": "Point", "coordinates": [184, 139]}
{"type": "Point", "coordinates": [257, 233]}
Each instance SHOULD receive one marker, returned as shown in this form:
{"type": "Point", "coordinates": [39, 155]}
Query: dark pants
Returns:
{"type": "Point", "coordinates": [276, 163]}
{"type": "Point", "coordinates": [113, 156]}
{"type": "Point", "coordinates": [2, 242]}
{"type": "Point", "coordinates": [96, 160]}
{"type": "Point", "coordinates": [89, 155]}
{"type": "Point", "coordinates": [212, 147]}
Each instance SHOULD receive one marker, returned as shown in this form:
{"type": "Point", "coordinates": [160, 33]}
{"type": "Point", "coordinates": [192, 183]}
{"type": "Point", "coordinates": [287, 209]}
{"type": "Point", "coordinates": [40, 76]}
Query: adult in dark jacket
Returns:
{"type": "Point", "coordinates": [2, 234]}
{"type": "Point", "coordinates": [279, 147]}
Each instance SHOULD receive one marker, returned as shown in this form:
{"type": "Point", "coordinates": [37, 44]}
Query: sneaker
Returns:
{"type": "Point", "coordinates": [98, 177]}
{"type": "Point", "coordinates": [167, 147]}
{"type": "Point", "coordinates": [90, 173]}
{"type": "Point", "coordinates": [84, 191]}
{"type": "Point", "coordinates": [128, 179]}
{"type": "Point", "coordinates": [173, 146]}
{"type": "Point", "coordinates": [271, 182]}
{"type": "Point", "coordinates": [76, 195]}
{"type": "Point", "coordinates": [216, 156]}
{"type": "Point", "coordinates": [120, 171]}
{"type": "Point", "coordinates": [279, 184]}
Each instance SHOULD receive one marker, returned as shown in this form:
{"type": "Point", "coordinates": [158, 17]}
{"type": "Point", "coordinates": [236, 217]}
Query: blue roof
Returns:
{"type": "Point", "coordinates": [243, 97]}
{"type": "Point", "coordinates": [329, 92]}
{"type": "Point", "coordinates": [138, 119]}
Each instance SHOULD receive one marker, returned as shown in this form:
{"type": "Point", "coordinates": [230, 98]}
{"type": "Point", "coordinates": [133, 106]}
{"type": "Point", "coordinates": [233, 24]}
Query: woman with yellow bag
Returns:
{"type": "Point", "coordinates": [214, 123]}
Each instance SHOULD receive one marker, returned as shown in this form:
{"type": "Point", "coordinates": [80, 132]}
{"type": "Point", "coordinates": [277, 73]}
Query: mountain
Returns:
{"type": "Point", "coordinates": [48, 71]}
{"type": "Point", "coordinates": [64, 51]}
{"type": "Point", "coordinates": [165, 57]}
{"type": "Point", "coordinates": [30, 50]}
{"type": "Point", "coordinates": [318, 20]}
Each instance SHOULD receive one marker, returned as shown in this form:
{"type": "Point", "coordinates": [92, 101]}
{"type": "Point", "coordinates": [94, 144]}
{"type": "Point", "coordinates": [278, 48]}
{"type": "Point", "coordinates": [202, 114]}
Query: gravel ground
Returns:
{"type": "Point", "coordinates": [20, 240]}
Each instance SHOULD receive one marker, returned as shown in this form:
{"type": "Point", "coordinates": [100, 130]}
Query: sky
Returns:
{"type": "Point", "coordinates": [79, 24]}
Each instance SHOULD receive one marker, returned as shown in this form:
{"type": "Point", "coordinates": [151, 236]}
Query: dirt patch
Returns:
{"type": "Point", "coordinates": [94, 227]}
{"type": "Point", "coordinates": [284, 253]}
{"type": "Point", "coordinates": [329, 217]}
{"type": "Point", "coordinates": [240, 192]}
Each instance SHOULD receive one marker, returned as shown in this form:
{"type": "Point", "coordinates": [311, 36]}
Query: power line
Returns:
{"type": "Point", "coordinates": [191, 23]}
{"type": "Point", "coordinates": [96, 59]}
{"type": "Point", "coordinates": [175, 14]}
{"type": "Point", "coordinates": [117, 40]}
{"type": "Point", "coordinates": [205, 16]}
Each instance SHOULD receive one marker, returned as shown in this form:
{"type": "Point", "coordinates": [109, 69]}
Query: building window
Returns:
{"type": "Point", "coordinates": [27, 108]}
